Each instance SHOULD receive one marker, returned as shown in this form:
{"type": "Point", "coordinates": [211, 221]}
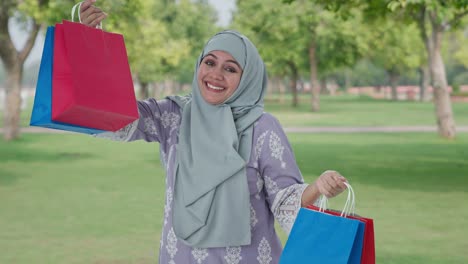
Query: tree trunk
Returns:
{"type": "Point", "coordinates": [168, 87]}
{"type": "Point", "coordinates": [323, 86]}
{"type": "Point", "coordinates": [347, 83]}
{"type": "Point", "coordinates": [393, 76]}
{"type": "Point", "coordinates": [275, 88]}
{"type": "Point", "coordinates": [443, 104]}
{"type": "Point", "coordinates": [13, 60]}
{"type": "Point", "coordinates": [314, 83]}
{"type": "Point", "coordinates": [282, 91]}
{"type": "Point", "coordinates": [144, 90]}
{"type": "Point", "coordinates": [11, 117]}
{"type": "Point", "coordinates": [293, 83]}
{"type": "Point", "coordinates": [271, 87]}
{"type": "Point", "coordinates": [157, 90]}
{"type": "Point", "coordinates": [424, 81]}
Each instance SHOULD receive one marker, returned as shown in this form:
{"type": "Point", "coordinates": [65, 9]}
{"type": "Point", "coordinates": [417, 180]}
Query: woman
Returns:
{"type": "Point", "coordinates": [230, 168]}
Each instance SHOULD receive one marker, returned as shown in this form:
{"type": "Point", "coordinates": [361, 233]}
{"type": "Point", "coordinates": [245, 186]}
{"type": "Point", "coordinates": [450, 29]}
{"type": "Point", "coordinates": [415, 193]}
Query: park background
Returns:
{"type": "Point", "coordinates": [72, 198]}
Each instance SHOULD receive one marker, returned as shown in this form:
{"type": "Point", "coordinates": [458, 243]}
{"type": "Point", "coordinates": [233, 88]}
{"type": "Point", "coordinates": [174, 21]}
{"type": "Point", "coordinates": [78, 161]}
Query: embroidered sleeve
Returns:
{"type": "Point", "coordinates": [124, 134]}
{"type": "Point", "coordinates": [283, 183]}
{"type": "Point", "coordinates": [287, 204]}
{"type": "Point", "coordinates": [157, 121]}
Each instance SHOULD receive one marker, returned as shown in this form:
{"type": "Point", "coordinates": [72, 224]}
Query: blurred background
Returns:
{"type": "Point", "coordinates": [377, 90]}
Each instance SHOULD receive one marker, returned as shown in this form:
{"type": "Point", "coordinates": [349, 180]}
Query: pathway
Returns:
{"type": "Point", "coordinates": [365, 129]}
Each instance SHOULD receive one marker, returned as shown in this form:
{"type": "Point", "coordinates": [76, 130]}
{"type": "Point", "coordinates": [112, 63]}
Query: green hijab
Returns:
{"type": "Point", "coordinates": [211, 196]}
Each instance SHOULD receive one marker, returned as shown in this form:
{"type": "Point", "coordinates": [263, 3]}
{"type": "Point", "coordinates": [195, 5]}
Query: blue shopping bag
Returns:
{"type": "Point", "coordinates": [318, 237]}
{"type": "Point", "coordinates": [42, 109]}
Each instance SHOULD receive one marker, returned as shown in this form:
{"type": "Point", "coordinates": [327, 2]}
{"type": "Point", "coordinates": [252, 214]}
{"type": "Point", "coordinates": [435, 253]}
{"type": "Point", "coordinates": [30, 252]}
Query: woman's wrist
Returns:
{"type": "Point", "coordinates": [310, 195]}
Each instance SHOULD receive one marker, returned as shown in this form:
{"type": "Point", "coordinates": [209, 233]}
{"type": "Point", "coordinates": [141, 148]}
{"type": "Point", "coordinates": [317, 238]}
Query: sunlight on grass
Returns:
{"type": "Point", "coordinates": [72, 198]}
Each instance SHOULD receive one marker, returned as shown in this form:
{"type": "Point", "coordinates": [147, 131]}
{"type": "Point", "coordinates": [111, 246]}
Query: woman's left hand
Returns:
{"type": "Point", "coordinates": [330, 183]}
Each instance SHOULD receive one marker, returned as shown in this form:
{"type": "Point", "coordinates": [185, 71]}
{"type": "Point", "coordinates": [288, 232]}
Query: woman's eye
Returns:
{"type": "Point", "coordinates": [209, 62]}
{"type": "Point", "coordinates": [231, 69]}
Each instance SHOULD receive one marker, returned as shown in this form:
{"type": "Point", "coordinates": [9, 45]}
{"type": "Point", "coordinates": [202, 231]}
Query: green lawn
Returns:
{"type": "Point", "coordinates": [343, 110]}
{"type": "Point", "coordinates": [348, 110]}
{"type": "Point", "coordinates": [69, 198]}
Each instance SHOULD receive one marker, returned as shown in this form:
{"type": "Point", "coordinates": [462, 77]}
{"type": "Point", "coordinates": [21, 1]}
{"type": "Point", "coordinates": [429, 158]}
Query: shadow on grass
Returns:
{"type": "Point", "coordinates": [8, 177]}
{"type": "Point", "coordinates": [20, 153]}
{"type": "Point", "coordinates": [410, 166]}
{"type": "Point", "coordinates": [393, 258]}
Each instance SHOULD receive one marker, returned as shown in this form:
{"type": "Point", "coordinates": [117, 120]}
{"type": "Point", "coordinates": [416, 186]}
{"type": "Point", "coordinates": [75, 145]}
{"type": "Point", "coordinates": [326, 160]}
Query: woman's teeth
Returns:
{"type": "Point", "coordinates": [214, 87]}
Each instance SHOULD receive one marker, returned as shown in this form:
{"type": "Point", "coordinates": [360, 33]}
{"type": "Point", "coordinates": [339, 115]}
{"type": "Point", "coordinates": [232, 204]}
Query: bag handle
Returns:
{"type": "Point", "coordinates": [78, 5]}
{"type": "Point", "coordinates": [349, 206]}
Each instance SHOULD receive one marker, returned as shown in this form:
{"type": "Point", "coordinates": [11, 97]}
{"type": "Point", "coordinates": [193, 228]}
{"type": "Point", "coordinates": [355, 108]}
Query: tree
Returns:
{"type": "Point", "coordinates": [13, 61]}
{"type": "Point", "coordinates": [395, 47]}
{"type": "Point", "coordinates": [336, 44]}
{"type": "Point", "coordinates": [152, 51]}
{"type": "Point", "coordinates": [193, 22]}
{"type": "Point", "coordinates": [300, 37]}
{"type": "Point", "coordinates": [434, 18]}
{"type": "Point", "coordinates": [273, 27]}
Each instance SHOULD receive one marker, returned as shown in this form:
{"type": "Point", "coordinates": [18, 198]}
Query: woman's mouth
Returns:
{"type": "Point", "coordinates": [214, 87]}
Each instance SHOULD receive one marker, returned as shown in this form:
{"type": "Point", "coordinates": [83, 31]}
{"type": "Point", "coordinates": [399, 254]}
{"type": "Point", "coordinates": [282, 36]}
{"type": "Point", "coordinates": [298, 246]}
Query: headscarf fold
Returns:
{"type": "Point", "coordinates": [211, 196]}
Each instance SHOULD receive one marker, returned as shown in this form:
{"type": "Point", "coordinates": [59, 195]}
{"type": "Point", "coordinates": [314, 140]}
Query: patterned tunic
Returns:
{"type": "Point", "coordinates": [275, 184]}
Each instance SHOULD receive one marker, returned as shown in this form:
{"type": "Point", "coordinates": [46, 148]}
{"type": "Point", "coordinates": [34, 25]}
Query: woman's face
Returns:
{"type": "Point", "coordinates": [218, 76]}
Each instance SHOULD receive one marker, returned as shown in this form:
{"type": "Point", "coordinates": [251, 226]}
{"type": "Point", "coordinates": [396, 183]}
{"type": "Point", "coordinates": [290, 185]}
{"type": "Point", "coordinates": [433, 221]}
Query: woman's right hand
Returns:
{"type": "Point", "coordinates": [91, 15]}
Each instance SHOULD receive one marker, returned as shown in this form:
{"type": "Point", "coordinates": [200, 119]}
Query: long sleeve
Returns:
{"type": "Point", "coordinates": [282, 180]}
{"type": "Point", "coordinates": [157, 121]}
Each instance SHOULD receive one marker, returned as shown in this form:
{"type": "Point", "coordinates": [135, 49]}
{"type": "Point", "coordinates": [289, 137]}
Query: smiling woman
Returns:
{"type": "Point", "coordinates": [230, 171]}
{"type": "Point", "coordinates": [218, 76]}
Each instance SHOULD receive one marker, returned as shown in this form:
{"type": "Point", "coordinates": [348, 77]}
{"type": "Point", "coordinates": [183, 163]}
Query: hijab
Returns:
{"type": "Point", "coordinates": [211, 196]}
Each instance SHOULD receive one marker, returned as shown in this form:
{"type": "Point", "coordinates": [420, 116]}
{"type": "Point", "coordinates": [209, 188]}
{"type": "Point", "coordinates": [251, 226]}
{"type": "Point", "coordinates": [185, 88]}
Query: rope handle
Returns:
{"type": "Point", "coordinates": [78, 5]}
{"type": "Point", "coordinates": [349, 207]}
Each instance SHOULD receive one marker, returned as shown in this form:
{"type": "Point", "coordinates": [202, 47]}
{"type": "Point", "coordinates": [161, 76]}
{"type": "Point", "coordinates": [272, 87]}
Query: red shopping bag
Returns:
{"type": "Point", "coordinates": [91, 83]}
{"type": "Point", "coordinates": [368, 247]}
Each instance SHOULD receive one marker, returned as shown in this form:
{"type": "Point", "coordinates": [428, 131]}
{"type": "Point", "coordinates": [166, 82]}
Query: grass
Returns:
{"type": "Point", "coordinates": [68, 198]}
{"type": "Point", "coordinates": [343, 110]}
{"type": "Point", "coordinates": [77, 199]}
{"type": "Point", "coordinates": [349, 110]}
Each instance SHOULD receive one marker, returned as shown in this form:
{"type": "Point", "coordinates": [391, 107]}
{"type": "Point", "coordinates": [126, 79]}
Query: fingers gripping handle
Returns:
{"type": "Point", "coordinates": [349, 206]}
{"type": "Point", "coordinates": [73, 11]}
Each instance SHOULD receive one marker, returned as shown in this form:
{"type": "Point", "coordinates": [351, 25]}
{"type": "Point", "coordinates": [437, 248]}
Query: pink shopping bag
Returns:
{"type": "Point", "coordinates": [91, 83]}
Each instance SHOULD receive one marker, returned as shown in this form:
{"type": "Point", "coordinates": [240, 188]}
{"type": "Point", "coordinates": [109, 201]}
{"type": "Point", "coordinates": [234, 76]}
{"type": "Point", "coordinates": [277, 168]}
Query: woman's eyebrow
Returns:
{"type": "Point", "coordinates": [232, 61]}
{"type": "Point", "coordinates": [236, 63]}
{"type": "Point", "coordinates": [209, 54]}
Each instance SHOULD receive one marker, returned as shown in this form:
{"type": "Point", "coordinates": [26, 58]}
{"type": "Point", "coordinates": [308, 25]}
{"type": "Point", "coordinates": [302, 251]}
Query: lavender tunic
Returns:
{"type": "Point", "coordinates": [275, 184]}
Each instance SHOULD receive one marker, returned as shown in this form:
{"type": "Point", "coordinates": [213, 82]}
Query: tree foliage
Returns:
{"type": "Point", "coordinates": [433, 17]}
{"type": "Point", "coordinates": [396, 47]}
{"type": "Point", "coordinates": [161, 37]}
{"type": "Point", "coordinates": [192, 22]}
{"type": "Point", "coordinates": [300, 38]}
{"type": "Point", "coordinates": [286, 30]}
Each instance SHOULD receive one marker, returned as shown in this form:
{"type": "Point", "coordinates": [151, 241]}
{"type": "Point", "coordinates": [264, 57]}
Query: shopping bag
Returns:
{"type": "Point", "coordinates": [91, 83]}
{"type": "Point", "coordinates": [368, 245]}
{"type": "Point", "coordinates": [320, 237]}
{"type": "Point", "coordinates": [42, 107]}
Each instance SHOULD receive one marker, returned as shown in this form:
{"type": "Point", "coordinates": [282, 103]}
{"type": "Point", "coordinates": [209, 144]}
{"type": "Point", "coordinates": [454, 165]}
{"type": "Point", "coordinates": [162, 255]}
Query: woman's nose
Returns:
{"type": "Point", "coordinates": [218, 73]}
